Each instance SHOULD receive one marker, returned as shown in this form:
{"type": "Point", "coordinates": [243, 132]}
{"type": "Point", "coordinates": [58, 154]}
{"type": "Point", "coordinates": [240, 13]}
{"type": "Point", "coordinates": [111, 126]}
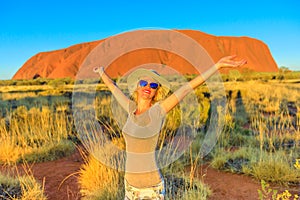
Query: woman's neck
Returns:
{"type": "Point", "coordinates": [143, 105]}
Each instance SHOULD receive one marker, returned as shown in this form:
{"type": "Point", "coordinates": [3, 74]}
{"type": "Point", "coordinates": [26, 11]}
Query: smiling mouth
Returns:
{"type": "Point", "coordinates": [146, 91]}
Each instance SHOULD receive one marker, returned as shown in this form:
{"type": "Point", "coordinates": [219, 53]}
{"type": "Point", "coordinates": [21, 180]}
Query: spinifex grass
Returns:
{"type": "Point", "coordinates": [269, 131]}
{"type": "Point", "coordinates": [262, 121]}
{"type": "Point", "coordinates": [24, 187]}
{"type": "Point", "coordinates": [34, 135]}
{"type": "Point", "coordinates": [99, 181]}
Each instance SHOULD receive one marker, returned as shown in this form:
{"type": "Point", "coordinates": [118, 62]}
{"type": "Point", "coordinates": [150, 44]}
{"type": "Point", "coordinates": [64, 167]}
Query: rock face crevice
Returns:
{"type": "Point", "coordinates": [66, 62]}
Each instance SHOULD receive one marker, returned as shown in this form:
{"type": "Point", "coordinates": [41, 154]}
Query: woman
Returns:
{"type": "Point", "coordinates": [146, 113]}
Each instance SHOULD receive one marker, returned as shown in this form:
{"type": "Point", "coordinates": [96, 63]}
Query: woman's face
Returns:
{"type": "Point", "coordinates": [145, 91]}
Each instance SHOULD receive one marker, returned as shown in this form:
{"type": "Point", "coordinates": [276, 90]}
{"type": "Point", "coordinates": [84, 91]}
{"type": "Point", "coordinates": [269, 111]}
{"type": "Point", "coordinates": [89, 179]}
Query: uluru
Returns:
{"type": "Point", "coordinates": [66, 62]}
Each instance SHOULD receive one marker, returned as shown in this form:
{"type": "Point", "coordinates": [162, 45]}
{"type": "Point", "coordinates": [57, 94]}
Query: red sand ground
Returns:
{"type": "Point", "coordinates": [224, 185]}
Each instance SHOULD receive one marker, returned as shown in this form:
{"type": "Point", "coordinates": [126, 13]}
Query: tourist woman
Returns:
{"type": "Point", "coordinates": [146, 110]}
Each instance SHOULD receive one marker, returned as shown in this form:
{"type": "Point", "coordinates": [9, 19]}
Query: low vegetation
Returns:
{"type": "Point", "coordinates": [34, 135]}
{"type": "Point", "coordinates": [261, 131]}
{"type": "Point", "coordinates": [23, 187]}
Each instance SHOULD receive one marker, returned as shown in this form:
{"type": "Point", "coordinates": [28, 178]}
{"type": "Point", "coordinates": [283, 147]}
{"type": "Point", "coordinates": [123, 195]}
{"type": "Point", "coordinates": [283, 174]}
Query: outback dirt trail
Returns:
{"type": "Point", "coordinates": [228, 186]}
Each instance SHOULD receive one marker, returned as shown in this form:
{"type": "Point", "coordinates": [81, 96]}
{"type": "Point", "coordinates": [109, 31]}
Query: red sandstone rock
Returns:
{"type": "Point", "coordinates": [66, 62]}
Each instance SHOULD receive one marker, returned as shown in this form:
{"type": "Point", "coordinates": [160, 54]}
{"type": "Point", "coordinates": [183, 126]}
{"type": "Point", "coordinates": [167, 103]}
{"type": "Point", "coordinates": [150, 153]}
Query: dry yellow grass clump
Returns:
{"type": "Point", "coordinates": [34, 135]}
{"type": "Point", "coordinates": [99, 180]}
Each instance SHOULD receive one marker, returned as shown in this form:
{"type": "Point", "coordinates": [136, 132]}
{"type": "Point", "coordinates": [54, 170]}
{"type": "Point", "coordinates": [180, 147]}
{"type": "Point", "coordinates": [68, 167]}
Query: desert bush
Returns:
{"type": "Point", "coordinates": [9, 187]}
{"type": "Point", "coordinates": [268, 193]}
{"type": "Point", "coordinates": [276, 168]}
{"type": "Point", "coordinates": [179, 187]}
{"type": "Point", "coordinates": [31, 189]}
{"type": "Point", "coordinates": [237, 161]}
{"type": "Point", "coordinates": [23, 187]}
{"type": "Point", "coordinates": [35, 135]}
{"type": "Point", "coordinates": [99, 181]}
{"type": "Point", "coordinates": [198, 191]}
{"type": "Point", "coordinates": [263, 116]}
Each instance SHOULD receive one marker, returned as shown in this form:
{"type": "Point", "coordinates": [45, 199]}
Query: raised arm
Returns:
{"type": "Point", "coordinates": [115, 90]}
{"type": "Point", "coordinates": [171, 101]}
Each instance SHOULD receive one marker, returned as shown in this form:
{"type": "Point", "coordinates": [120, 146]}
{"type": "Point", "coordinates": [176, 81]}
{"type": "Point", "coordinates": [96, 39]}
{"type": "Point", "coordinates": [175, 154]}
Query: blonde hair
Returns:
{"type": "Point", "coordinates": [161, 93]}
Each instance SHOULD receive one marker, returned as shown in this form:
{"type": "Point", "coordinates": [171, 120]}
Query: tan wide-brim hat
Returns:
{"type": "Point", "coordinates": [135, 76]}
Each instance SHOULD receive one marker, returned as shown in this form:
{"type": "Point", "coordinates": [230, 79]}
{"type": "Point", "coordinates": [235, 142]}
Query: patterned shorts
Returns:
{"type": "Point", "coordinates": [156, 192]}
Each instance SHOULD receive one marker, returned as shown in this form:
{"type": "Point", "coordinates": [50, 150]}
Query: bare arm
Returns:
{"type": "Point", "coordinates": [171, 101]}
{"type": "Point", "coordinates": [115, 90]}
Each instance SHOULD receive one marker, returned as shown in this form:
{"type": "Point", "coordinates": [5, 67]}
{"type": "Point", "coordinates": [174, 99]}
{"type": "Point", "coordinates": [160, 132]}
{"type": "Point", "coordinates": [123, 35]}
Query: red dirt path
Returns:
{"type": "Point", "coordinates": [228, 186]}
{"type": "Point", "coordinates": [225, 186]}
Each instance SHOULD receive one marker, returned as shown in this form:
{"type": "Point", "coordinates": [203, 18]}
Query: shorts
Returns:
{"type": "Point", "coordinates": [156, 192]}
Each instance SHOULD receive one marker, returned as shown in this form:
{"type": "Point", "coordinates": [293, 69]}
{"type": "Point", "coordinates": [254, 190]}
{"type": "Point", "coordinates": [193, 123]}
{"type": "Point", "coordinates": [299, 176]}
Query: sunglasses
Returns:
{"type": "Point", "coordinates": [144, 83]}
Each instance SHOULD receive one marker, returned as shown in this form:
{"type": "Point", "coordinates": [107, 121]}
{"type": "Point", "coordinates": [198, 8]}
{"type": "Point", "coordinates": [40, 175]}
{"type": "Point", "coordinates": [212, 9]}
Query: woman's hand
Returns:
{"type": "Point", "coordinates": [228, 61]}
{"type": "Point", "coordinates": [99, 70]}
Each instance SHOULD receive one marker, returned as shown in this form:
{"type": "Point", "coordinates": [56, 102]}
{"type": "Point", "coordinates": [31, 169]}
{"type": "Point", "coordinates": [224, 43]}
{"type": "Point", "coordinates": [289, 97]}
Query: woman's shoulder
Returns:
{"type": "Point", "coordinates": [158, 108]}
{"type": "Point", "coordinates": [132, 106]}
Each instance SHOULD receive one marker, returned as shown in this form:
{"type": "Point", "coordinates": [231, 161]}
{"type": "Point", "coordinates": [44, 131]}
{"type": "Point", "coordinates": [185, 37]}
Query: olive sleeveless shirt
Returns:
{"type": "Point", "coordinates": [141, 134]}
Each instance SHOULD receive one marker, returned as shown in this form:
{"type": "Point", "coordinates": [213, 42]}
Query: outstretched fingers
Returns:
{"type": "Point", "coordinates": [99, 70]}
{"type": "Point", "coordinates": [96, 69]}
{"type": "Point", "coordinates": [228, 61]}
{"type": "Point", "coordinates": [238, 63]}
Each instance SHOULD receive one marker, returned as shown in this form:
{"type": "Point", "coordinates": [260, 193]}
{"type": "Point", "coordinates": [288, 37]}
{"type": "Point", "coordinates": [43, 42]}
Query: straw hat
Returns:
{"type": "Point", "coordinates": [135, 76]}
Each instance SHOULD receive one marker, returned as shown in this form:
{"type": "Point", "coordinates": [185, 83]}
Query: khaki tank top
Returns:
{"type": "Point", "coordinates": [141, 134]}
